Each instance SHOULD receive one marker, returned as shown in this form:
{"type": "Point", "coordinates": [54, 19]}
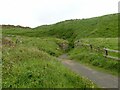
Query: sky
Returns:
{"type": "Point", "coordinates": [34, 13]}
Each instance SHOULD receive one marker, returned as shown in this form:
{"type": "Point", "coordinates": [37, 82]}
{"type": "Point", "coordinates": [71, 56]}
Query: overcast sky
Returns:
{"type": "Point", "coordinates": [34, 13]}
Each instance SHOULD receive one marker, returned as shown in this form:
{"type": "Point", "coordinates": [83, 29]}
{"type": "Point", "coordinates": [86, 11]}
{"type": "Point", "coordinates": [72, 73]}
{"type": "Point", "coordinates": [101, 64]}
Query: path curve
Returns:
{"type": "Point", "coordinates": [103, 80]}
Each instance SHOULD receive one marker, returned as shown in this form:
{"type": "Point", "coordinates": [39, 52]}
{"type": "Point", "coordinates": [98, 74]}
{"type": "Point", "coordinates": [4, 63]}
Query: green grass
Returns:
{"type": "Point", "coordinates": [27, 66]}
{"type": "Point", "coordinates": [49, 45]}
{"type": "Point", "coordinates": [92, 57]}
{"type": "Point", "coordinates": [32, 61]}
{"type": "Point", "coordinates": [0, 76]}
{"type": "Point", "coordinates": [100, 44]}
{"type": "Point", "coordinates": [111, 43]}
{"type": "Point", "coordinates": [104, 27]}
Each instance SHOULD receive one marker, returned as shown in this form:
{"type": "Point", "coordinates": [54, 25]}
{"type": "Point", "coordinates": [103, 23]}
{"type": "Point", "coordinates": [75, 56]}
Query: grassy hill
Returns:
{"type": "Point", "coordinates": [71, 30]}
{"type": "Point", "coordinates": [31, 53]}
{"type": "Point", "coordinates": [104, 26]}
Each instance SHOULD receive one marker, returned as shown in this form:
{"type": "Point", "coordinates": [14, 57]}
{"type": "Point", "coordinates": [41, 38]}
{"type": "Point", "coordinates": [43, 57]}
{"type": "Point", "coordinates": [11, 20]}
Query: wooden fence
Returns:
{"type": "Point", "coordinates": [107, 54]}
{"type": "Point", "coordinates": [105, 50]}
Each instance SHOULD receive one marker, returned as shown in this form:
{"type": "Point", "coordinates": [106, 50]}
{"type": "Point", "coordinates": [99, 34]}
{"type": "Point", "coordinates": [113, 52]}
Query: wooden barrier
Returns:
{"type": "Point", "coordinates": [106, 51]}
{"type": "Point", "coordinates": [111, 57]}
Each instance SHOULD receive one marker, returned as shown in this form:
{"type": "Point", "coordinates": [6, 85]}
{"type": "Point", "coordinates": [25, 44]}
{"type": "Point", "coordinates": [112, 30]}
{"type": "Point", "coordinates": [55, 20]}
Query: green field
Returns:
{"type": "Point", "coordinates": [30, 54]}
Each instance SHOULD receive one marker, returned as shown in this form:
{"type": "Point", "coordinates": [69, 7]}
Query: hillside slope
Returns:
{"type": "Point", "coordinates": [72, 30]}
{"type": "Point", "coordinates": [37, 49]}
{"type": "Point", "coordinates": [104, 26]}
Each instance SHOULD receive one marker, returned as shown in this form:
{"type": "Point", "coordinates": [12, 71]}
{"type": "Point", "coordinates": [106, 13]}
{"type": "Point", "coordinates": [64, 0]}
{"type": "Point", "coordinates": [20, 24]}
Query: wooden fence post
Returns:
{"type": "Point", "coordinates": [106, 52]}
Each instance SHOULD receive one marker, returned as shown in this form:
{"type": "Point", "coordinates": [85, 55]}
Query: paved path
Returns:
{"type": "Point", "coordinates": [103, 80]}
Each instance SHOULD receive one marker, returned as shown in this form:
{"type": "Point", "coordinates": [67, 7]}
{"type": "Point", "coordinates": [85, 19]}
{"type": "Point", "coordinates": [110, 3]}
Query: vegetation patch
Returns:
{"type": "Point", "coordinates": [29, 54]}
{"type": "Point", "coordinates": [30, 65]}
{"type": "Point", "coordinates": [95, 56]}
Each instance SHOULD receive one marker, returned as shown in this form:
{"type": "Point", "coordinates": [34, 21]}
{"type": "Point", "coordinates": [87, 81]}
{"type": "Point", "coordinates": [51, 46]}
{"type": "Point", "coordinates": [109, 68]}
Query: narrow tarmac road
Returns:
{"type": "Point", "coordinates": [101, 79]}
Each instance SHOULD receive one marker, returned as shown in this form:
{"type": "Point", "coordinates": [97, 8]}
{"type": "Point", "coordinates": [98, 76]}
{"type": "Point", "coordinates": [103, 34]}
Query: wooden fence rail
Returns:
{"type": "Point", "coordinates": [112, 50]}
{"type": "Point", "coordinates": [109, 50]}
{"type": "Point", "coordinates": [106, 51]}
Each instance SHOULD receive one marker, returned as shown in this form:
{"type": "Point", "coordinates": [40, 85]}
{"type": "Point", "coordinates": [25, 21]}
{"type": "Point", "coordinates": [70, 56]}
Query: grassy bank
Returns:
{"type": "Point", "coordinates": [95, 56]}
{"type": "Point", "coordinates": [28, 64]}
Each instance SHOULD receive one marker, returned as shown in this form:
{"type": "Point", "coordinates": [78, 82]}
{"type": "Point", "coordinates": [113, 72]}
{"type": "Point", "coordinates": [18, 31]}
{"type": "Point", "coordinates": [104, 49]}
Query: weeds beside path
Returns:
{"type": "Point", "coordinates": [103, 80]}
